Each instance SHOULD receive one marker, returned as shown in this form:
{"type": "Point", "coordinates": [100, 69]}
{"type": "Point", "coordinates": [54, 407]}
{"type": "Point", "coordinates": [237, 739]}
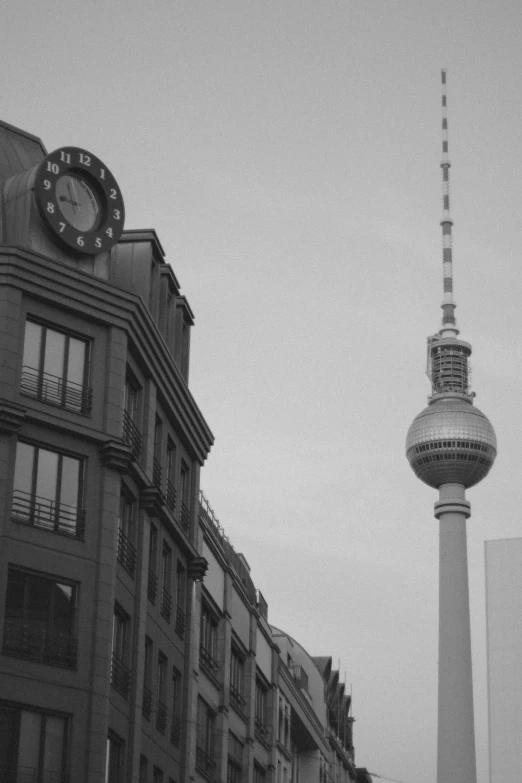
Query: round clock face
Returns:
{"type": "Point", "coordinates": [79, 200]}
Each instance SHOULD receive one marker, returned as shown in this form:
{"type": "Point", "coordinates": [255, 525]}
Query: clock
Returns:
{"type": "Point", "coordinates": [79, 200]}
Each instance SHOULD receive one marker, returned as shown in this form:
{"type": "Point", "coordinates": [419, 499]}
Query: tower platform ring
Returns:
{"type": "Point", "coordinates": [451, 442]}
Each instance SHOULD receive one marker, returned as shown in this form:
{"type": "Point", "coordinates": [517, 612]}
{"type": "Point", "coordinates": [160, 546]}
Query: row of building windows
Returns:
{"type": "Point", "coordinates": [56, 368]}
{"type": "Point", "coordinates": [156, 696]}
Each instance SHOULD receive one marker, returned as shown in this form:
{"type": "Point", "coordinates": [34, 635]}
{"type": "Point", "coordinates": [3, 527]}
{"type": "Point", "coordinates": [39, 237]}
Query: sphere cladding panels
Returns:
{"type": "Point", "coordinates": [451, 441]}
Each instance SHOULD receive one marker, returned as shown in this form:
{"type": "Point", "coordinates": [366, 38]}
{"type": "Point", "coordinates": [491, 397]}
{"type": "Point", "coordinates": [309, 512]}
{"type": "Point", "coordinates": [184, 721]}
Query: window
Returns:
{"type": "Point", "coordinates": [158, 445]}
{"type": "Point", "coordinates": [131, 396]}
{"type": "Point", "coordinates": [55, 368]}
{"type": "Point", "coordinates": [259, 773]}
{"type": "Point", "coordinates": [144, 769]}
{"type": "Point", "coordinates": [146, 707]}
{"type": "Point", "coordinates": [166, 569]}
{"type": "Point", "coordinates": [205, 737]}
{"type": "Point", "coordinates": [185, 496]}
{"type": "Point", "coordinates": [48, 490]}
{"type": "Point", "coordinates": [33, 744]}
{"type": "Point", "coordinates": [171, 472]}
{"type": "Point", "coordinates": [157, 775]}
{"type": "Point", "coordinates": [114, 760]}
{"type": "Point", "coordinates": [127, 554]}
{"type": "Point", "coordinates": [261, 712]}
{"type": "Point", "coordinates": [235, 759]}
{"type": "Point", "coordinates": [181, 598]}
{"type": "Point", "coordinates": [237, 678]}
{"type": "Point", "coordinates": [120, 671]}
{"type": "Point", "coordinates": [175, 732]}
{"type": "Point", "coordinates": [152, 583]}
{"type": "Point", "coordinates": [208, 639]}
{"type": "Point", "coordinates": [161, 684]}
{"type": "Point", "coordinates": [40, 619]}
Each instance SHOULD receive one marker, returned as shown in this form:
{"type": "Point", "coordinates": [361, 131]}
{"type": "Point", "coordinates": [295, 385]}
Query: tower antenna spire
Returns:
{"type": "Point", "coordinates": [449, 324]}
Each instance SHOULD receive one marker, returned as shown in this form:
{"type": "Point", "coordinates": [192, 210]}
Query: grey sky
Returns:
{"type": "Point", "coordinates": [288, 155]}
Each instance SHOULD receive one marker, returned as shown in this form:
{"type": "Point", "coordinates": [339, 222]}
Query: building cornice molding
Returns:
{"type": "Point", "coordinates": [12, 416]}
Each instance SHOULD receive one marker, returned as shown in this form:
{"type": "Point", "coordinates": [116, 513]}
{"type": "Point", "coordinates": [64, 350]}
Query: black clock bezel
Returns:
{"type": "Point", "coordinates": [74, 161]}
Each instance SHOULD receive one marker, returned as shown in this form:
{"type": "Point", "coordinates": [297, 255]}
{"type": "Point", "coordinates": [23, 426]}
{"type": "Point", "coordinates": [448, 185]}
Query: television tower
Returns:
{"type": "Point", "coordinates": [451, 446]}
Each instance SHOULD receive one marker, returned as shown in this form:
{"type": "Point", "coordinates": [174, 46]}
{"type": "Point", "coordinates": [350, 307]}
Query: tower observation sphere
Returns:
{"type": "Point", "coordinates": [451, 442]}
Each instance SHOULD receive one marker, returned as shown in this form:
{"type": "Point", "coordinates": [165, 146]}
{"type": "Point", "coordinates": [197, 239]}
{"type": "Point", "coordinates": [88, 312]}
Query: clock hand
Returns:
{"type": "Point", "coordinates": [75, 194]}
{"type": "Point", "coordinates": [69, 200]}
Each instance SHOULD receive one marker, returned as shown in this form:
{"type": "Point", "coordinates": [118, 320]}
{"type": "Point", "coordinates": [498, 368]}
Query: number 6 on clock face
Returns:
{"type": "Point", "coordinates": [73, 190]}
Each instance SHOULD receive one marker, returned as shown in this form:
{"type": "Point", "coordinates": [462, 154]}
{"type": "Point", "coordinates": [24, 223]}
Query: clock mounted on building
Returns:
{"type": "Point", "coordinates": [79, 200]}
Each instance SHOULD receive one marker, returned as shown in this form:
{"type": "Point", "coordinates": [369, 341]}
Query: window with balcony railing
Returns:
{"type": "Point", "coordinates": [127, 554]}
{"type": "Point", "coordinates": [120, 671]}
{"type": "Point", "coordinates": [208, 639]}
{"type": "Point", "coordinates": [156, 473]}
{"type": "Point", "coordinates": [146, 707]}
{"type": "Point", "coordinates": [161, 691]}
{"type": "Point", "coordinates": [261, 711]}
{"type": "Point", "coordinates": [181, 621]}
{"type": "Point", "coordinates": [166, 578]}
{"type": "Point", "coordinates": [161, 717]}
{"type": "Point", "coordinates": [166, 605]}
{"type": "Point", "coordinates": [237, 679]}
{"type": "Point", "coordinates": [56, 368]}
{"type": "Point", "coordinates": [152, 578]}
{"type": "Point", "coordinates": [234, 760]}
{"type": "Point", "coordinates": [39, 619]}
{"type": "Point", "coordinates": [175, 727]}
{"type": "Point", "coordinates": [48, 490]}
{"type": "Point", "coordinates": [131, 403]}
{"type": "Point", "coordinates": [171, 496]}
{"type": "Point", "coordinates": [205, 739]}
{"type": "Point", "coordinates": [33, 746]}
{"type": "Point", "coordinates": [185, 517]}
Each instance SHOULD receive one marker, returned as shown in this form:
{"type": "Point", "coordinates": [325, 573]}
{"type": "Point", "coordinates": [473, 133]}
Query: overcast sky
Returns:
{"type": "Point", "coordinates": [287, 153]}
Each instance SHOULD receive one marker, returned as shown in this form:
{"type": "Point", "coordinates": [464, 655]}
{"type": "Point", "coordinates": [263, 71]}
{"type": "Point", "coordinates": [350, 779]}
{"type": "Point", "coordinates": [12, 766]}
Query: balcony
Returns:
{"type": "Point", "coordinates": [171, 496]}
{"type": "Point", "coordinates": [55, 391]}
{"type": "Point", "coordinates": [166, 605]}
{"type": "Point", "coordinates": [39, 644]}
{"type": "Point", "coordinates": [180, 622]}
{"type": "Point", "coordinates": [131, 435]}
{"type": "Point", "coordinates": [175, 731]}
{"type": "Point", "coordinates": [262, 732]}
{"type": "Point", "coordinates": [146, 705]}
{"type": "Point", "coordinates": [156, 473]}
{"type": "Point", "coordinates": [236, 699]}
{"type": "Point", "coordinates": [205, 763]}
{"type": "Point", "coordinates": [300, 676]}
{"type": "Point", "coordinates": [47, 514]}
{"type": "Point", "coordinates": [152, 586]}
{"type": "Point", "coordinates": [184, 518]}
{"type": "Point", "coordinates": [208, 661]}
{"type": "Point", "coordinates": [17, 773]}
{"type": "Point", "coordinates": [161, 717]}
{"type": "Point", "coordinates": [127, 554]}
{"type": "Point", "coordinates": [120, 676]}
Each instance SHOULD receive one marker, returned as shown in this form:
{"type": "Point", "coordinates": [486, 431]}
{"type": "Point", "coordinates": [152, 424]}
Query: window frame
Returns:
{"type": "Point", "coordinates": [32, 642]}
{"type": "Point", "coordinates": [61, 518]}
{"type": "Point", "coordinates": [30, 374]}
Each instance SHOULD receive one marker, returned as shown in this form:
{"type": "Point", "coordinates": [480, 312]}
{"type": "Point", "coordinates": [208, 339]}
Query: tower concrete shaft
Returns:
{"type": "Point", "coordinates": [456, 732]}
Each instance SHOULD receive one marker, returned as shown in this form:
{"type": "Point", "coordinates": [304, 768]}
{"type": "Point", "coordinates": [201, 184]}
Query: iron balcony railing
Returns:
{"type": "Point", "coordinates": [185, 517]}
{"type": "Point", "coordinates": [127, 554]}
{"type": "Point", "coordinates": [146, 705]}
{"type": "Point", "coordinates": [40, 644]}
{"type": "Point", "coordinates": [233, 770]}
{"type": "Point", "coordinates": [131, 435]}
{"type": "Point", "coordinates": [120, 676]}
{"type": "Point", "coordinates": [175, 731]}
{"type": "Point", "coordinates": [161, 717]}
{"type": "Point", "coordinates": [45, 513]}
{"type": "Point", "coordinates": [55, 391]}
{"type": "Point", "coordinates": [19, 773]}
{"type": "Point", "coordinates": [300, 676]}
{"type": "Point", "coordinates": [156, 473]}
{"type": "Point", "coordinates": [205, 763]}
{"type": "Point", "coordinates": [180, 622]}
{"type": "Point", "coordinates": [171, 496]}
{"type": "Point", "coordinates": [152, 586]}
{"type": "Point", "coordinates": [207, 660]}
{"type": "Point", "coordinates": [236, 698]}
{"type": "Point", "coordinates": [166, 605]}
{"type": "Point", "coordinates": [262, 732]}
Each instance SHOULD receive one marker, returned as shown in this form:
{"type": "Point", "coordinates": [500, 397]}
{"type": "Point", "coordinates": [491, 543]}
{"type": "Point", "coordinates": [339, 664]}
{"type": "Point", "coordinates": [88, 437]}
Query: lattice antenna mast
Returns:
{"type": "Point", "coordinates": [449, 324]}
{"type": "Point", "coordinates": [448, 365]}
